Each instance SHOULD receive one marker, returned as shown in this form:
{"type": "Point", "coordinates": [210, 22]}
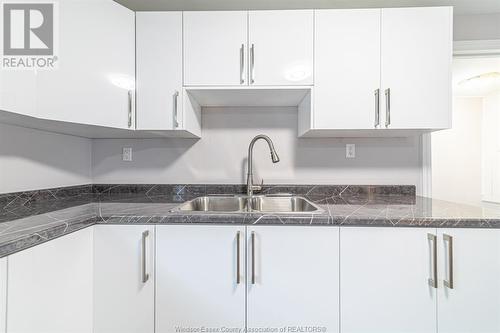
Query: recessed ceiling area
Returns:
{"type": "Point", "coordinates": [461, 7]}
{"type": "Point", "coordinates": [475, 77]}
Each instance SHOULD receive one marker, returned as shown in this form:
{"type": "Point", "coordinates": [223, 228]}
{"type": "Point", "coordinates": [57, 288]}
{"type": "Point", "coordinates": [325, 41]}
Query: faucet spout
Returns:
{"type": "Point", "coordinates": [274, 157]}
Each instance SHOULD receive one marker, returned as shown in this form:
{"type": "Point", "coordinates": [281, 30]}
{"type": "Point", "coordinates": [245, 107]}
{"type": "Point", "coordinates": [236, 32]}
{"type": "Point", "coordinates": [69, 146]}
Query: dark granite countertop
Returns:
{"type": "Point", "coordinates": [33, 218]}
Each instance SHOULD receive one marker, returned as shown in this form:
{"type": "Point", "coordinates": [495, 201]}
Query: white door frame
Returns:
{"type": "Point", "coordinates": [426, 165]}
{"type": "Point", "coordinates": [469, 49]}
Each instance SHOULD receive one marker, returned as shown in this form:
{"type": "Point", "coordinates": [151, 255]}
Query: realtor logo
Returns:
{"type": "Point", "coordinates": [29, 32]}
{"type": "Point", "coordinates": [28, 29]}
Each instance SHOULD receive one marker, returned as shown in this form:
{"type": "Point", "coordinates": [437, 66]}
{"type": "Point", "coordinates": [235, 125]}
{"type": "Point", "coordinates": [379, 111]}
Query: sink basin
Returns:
{"type": "Point", "coordinates": [291, 204]}
{"type": "Point", "coordinates": [242, 204]}
{"type": "Point", "coordinates": [215, 204]}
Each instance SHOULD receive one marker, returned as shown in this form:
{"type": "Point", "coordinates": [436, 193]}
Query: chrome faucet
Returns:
{"type": "Point", "coordinates": [274, 157]}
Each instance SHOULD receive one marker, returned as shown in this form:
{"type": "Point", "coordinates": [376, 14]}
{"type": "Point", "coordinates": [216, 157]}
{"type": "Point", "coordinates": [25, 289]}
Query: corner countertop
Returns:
{"type": "Point", "coordinates": [340, 209]}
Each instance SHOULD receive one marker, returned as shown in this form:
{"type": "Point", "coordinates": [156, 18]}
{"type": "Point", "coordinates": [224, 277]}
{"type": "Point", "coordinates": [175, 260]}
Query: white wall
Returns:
{"type": "Point", "coordinates": [32, 159]}
{"type": "Point", "coordinates": [456, 154]}
{"type": "Point", "coordinates": [491, 147]}
{"type": "Point", "coordinates": [476, 27]}
{"type": "Point", "coordinates": [220, 156]}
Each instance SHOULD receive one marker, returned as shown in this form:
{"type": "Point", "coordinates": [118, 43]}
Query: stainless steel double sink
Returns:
{"type": "Point", "coordinates": [256, 204]}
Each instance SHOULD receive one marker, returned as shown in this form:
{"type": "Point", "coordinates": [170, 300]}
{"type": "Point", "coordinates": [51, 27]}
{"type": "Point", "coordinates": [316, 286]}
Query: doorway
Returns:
{"type": "Point", "coordinates": [466, 158]}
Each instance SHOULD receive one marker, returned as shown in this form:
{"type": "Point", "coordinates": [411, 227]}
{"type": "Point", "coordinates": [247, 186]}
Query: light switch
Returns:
{"type": "Point", "coordinates": [127, 154]}
{"type": "Point", "coordinates": [350, 150]}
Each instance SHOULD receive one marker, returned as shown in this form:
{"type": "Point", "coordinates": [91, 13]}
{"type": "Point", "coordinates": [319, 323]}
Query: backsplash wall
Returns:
{"type": "Point", "coordinates": [220, 156]}
{"type": "Point", "coordinates": [31, 159]}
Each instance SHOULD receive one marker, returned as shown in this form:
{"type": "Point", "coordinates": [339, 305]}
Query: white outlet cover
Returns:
{"type": "Point", "coordinates": [350, 150]}
{"type": "Point", "coordinates": [127, 154]}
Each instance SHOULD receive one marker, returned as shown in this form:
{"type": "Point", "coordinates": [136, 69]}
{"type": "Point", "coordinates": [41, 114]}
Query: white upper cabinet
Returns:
{"type": "Point", "coordinates": [278, 51]}
{"type": "Point", "coordinates": [159, 70]}
{"type": "Point", "coordinates": [378, 69]}
{"type": "Point", "coordinates": [18, 92]}
{"type": "Point", "coordinates": [416, 67]}
{"type": "Point", "coordinates": [347, 68]}
{"type": "Point", "coordinates": [293, 277]}
{"type": "Point", "coordinates": [469, 280]}
{"type": "Point", "coordinates": [370, 72]}
{"type": "Point", "coordinates": [384, 275]}
{"type": "Point", "coordinates": [124, 279]}
{"type": "Point", "coordinates": [95, 80]}
{"type": "Point", "coordinates": [162, 103]}
{"type": "Point", "coordinates": [280, 44]}
{"type": "Point", "coordinates": [215, 48]}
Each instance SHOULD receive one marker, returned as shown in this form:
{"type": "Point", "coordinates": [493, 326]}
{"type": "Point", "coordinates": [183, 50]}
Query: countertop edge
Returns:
{"type": "Point", "coordinates": [59, 223]}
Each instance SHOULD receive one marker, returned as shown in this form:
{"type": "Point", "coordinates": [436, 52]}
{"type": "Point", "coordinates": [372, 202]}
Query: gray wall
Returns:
{"type": "Point", "coordinates": [32, 159]}
{"type": "Point", "coordinates": [476, 27]}
{"type": "Point", "coordinates": [220, 156]}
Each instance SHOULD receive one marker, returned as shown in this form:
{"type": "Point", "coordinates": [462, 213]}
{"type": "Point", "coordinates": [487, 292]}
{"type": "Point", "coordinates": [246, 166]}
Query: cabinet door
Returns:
{"type": "Point", "coordinates": [281, 47]}
{"type": "Point", "coordinates": [215, 48]}
{"type": "Point", "coordinates": [3, 294]}
{"type": "Point", "coordinates": [18, 92]}
{"type": "Point", "coordinates": [293, 277]}
{"type": "Point", "coordinates": [159, 70]}
{"type": "Point", "coordinates": [346, 68]}
{"type": "Point", "coordinates": [197, 282]}
{"type": "Point", "coordinates": [472, 303]}
{"type": "Point", "coordinates": [124, 279]}
{"type": "Point", "coordinates": [416, 66]}
{"type": "Point", "coordinates": [50, 286]}
{"type": "Point", "coordinates": [384, 276]}
{"type": "Point", "coordinates": [96, 66]}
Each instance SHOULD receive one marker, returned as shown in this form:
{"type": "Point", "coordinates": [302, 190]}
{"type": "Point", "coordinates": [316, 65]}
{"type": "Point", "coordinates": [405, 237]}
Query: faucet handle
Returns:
{"type": "Point", "coordinates": [258, 188]}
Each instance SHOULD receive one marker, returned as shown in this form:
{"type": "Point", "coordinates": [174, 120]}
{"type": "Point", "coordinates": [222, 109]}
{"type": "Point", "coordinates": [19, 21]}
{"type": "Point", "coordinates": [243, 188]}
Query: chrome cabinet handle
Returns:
{"type": "Point", "coordinates": [252, 64]}
{"type": "Point", "coordinates": [449, 282]}
{"type": "Point", "coordinates": [145, 275]}
{"type": "Point", "coordinates": [176, 121]}
{"type": "Point", "coordinates": [129, 108]}
{"type": "Point", "coordinates": [433, 280]}
{"type": "Point", "coordinates": [387, 107]}
{"type": "Point", "coordinates": [242, 63]}
{"type": "Point", "coordinates": [253, 257]}
{"type": "Point", "coordinates": [377, 108]}
{"type": "Point", "coordinates": [238, 257]}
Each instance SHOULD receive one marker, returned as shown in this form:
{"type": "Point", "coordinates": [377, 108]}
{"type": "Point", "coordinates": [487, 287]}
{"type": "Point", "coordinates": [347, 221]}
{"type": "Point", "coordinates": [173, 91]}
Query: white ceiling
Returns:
{"type": "Point", "coordinates": [461, 6]}
{"type": "Point", "coordinates": [466, 68]}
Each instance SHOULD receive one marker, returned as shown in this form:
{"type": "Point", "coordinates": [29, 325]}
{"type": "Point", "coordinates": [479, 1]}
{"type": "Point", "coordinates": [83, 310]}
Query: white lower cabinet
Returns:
{"type": "Point", "coordinates": [124, 279]}
{"type": "Point", "coordinates": [384, 276]}
{"type": "Point", "coordinates": [3, 294]}
{"type": "Point", "coordinates": [293, 278]}
{"type": "Point", "coordinates": [471, 303]}
{"type": "Point", "coordinates": [202, 280]}
{"type": "Point", "coordinates": [179, 278]}
{"type": "Point", "coordinates": [50, 286]}
{"type": "Point", "coordinates": [197, 280]}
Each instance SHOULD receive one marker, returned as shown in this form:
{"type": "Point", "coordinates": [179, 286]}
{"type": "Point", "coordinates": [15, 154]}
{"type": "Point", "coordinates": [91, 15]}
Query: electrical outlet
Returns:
{"type": "Point", "coordinates": [127, 154]}
{"type": "Point", "coordinates": [350, 150]}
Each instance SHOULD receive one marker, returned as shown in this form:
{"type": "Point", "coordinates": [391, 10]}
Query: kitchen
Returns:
{"type": "Point", "coordinates": [235, 166]}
